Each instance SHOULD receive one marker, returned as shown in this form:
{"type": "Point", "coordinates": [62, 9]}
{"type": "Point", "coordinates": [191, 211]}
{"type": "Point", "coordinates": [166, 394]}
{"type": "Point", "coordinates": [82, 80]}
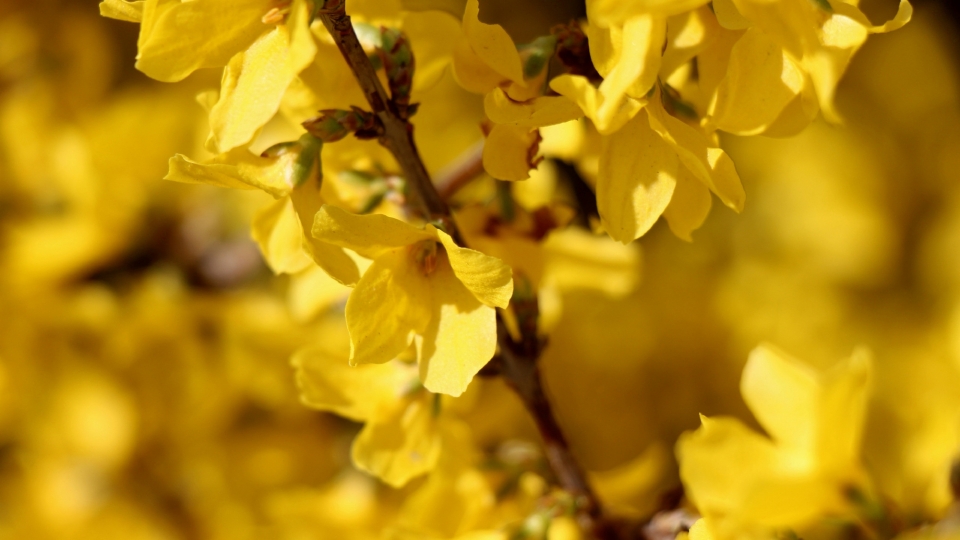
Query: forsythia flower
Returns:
{"type": "Point", "coordinates": [419, 283]}
{"type": "Point", "coordinates": [743, 482]}
{"type": "Point", "coordinates": [401, 437]}
{"type": "Point", "coordinates": [816, 38]}
{"type": "Point", "coordinates": [281, 229]}
{"type": "Point", "coordinates": [263, 45]}
{"type": "Point", "coordinates": [655, 164]}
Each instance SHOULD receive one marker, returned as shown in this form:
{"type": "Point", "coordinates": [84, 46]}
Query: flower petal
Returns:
{"type": "Point", "coordinates": [461, 338]}
{"type": "Point", "coordinates": [276, 229]}
{"type": "Point", "coordinates": [255, 80]}
{"type": "Point", "coordinates": [369, 235]}
{"type": "Point", "coordinates": [487, 278]}
{"type": "Point", "coordinates": [390, 303]}
{"type": "Point", "coordinates": [177, 38]}
{"type": "Point", "coordinates": [509, 151]}
{"type": "Point", "coordinates": [328, 383]}
{"type": "Point", "coordinates": [538, 112]}
{"type": "Point", "coordinates": [399, 442]}
{"type": "Point", "coordinates": [611, 12]}
{"type": "Point", "coordinates": [492, 44]}
{"type": "Point", "coordinates": [689, 206]}
{"type": "Point", "coordinates": [637, 176]}
{"type": "Point", "coordinates": [238, 169]}
{"type": "Point", "coordinates": [122, 10]}
{"type": "Point", "coordinates": [331, 258]}
{"type": "Point", "coordinates": [590, 100]}
{"type": "Point", "coordinates": [699, 155]}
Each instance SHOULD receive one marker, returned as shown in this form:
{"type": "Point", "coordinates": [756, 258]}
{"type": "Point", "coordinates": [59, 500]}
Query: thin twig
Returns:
{"type": "Point", "coordinates": [461, 172]}
{"type": "Point", "coordinates": [398, 133]}
{"type": "Point", "coordinates": [518, 360]}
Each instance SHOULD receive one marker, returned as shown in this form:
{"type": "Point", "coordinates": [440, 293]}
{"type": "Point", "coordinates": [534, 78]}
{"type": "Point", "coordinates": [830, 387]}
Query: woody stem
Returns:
{"type": "Point", "coordinates": [518, 359]}
{"type": "Point", "coordinates": [397, 132]}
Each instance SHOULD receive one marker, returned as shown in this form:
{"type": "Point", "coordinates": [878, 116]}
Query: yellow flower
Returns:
{"type": "Point", "coordinates": [420, 283]}
{"type": "Point", "coordinates": [653, 164]}
{"type": "Point", "coordinates": [610, 12]}
{"type": "Point", "coordinates": [263, 44]}
{"type": "Point", "coordinates": [742, 481]}
{"type": "Point", "coordinates": [804, 39]}
{"type": "Point", "coordinates": [400, 439]}
{"type": "Point", "coordinates": [281, 229]}
{"type": "Point", "coordinates": [486, 60]}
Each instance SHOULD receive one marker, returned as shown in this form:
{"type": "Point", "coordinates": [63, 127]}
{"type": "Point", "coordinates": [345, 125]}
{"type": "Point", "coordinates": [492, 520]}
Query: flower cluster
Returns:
{"type": "Point", "coordinates": [455, 217]}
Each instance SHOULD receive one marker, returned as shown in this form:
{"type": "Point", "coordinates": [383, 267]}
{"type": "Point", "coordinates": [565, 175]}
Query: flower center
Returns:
{"type": "Point", "coordinates": [278, 13]}
{"type": "Point", "coordinates": [425, 256]}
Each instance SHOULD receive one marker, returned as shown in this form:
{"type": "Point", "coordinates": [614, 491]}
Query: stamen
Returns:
{"type": "Point", "coordinates": [277, 15]}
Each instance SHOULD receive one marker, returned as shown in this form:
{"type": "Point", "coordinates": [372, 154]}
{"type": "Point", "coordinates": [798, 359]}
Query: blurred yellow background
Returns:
{"type": "Point", "coordinates": [145, 385]}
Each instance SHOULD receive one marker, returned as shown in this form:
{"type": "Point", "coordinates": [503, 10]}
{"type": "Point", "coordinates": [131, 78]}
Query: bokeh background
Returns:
{"type": "Point", "coordinates": [145, 384]}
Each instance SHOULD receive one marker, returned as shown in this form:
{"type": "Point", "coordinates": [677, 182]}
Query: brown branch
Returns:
{"type": "Point", "coordinates": [519, 367]}
{"type": "Point", "coordinates": [461, 172]}
{"type": "Point", "coordinates": [518, 362]}
{"type": "Point", "coordinates": [398, 133]}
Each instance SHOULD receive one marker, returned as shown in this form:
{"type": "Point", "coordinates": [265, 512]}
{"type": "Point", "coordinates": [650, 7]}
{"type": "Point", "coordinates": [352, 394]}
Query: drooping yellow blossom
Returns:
{"type": "Point", "coordinates": [262, 44]}
{"type": "Point", "coordinates": [655, 164]}
{"type": "Point", "coordinates": [742, 481]}
{"type": "Point", "coordinates": [281, 228]}
{"type": "Point", "coordinates": [420, 283]}
{"type": "Point", "coordinates": [486, 60]}
{"type": "Point", "coordinates": [808, 41]}
{"type": "Point", "coordinates": [400, 439]}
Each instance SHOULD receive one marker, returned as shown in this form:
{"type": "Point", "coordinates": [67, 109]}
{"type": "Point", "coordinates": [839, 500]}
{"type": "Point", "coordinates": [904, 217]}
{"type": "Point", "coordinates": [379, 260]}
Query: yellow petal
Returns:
{"type": "Point", "coordinates": [509, 151]}
{"type": "Point", "coordinates": [699, 155]}
{"type": "Point", "coordinates": [636, 68]}
{"type": "Point", "coordinates": [255, 80]}
{"type": "Point", "coordinates": [818, 417]}
{"type": "Point", "coordinates": [390, 303]}
{"type": "Point", "coordinates": [689, 206]}
{"type": "Point", "coordinates": [486, 277]}
{"type": "Point", "coordinates": [782, 394]}
{"type": "Point", "coordinates": [331, 258]}
{"type": "Point", "coordinates": [327, 382]}
{"type": "Point", "coordinates": [433, 36]}
{"type": "Point", "coordinates": [687, 35]}
{"type": "Point", "coordinates": [638, 173]}
{"type": "Point", "coordinates": [612, 12]}
{"type": "Point", "coordinates": [312, 292]}
{"type": "Point", "coordinates": [729, 16]}
{"type": "Point", "coordinates": [276, 229]}
{"type": "Point", "coordinates": [797, 115]}
{"type": "Point", "coordinates": [448, 502]}
{"type": "Point", "coordinates": [122, 10]}
{"type": "Point", "coordinates": [400, 441]}
{"type": "Point", "coordinates": [492, 44]}
{"type": "Point", "coordinates": [589, 99]}
{"type": "Point", "coordinates": [761, 81]}
{"type": "Point", "coordinates": [369, 235]}
{"type": "Point", "coordinates": [538, 112]}
{"type": "Point", "coordinates": [577, 259]}
{"type": "Point", "coordinates": [842, 37]}
{"type": "Point", "coordinates": [177, 38]}
{"type": "Point", "coordinates": [793, 24]}
{"type": "Point", "coordinates": [471, 72]}
{"type": "Point", "coordinates": [903, 16]}
{"type": "Point", "coordinates": [453, 7]}
{"type": "Point", "coordinates": [605, 46]}
{"type": "Point", "coordinates": [461, 338]}
{"type": "Point", "coordinates": [700, 531]}
{"type": "Point", "coordinates": [713, 61]}
{"type": "Point", "coordinates": [721, 462]}
{"type": "Point", "coordinates": [844, 401]}
{"type": "Point", "coordinates": [238, 169]}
